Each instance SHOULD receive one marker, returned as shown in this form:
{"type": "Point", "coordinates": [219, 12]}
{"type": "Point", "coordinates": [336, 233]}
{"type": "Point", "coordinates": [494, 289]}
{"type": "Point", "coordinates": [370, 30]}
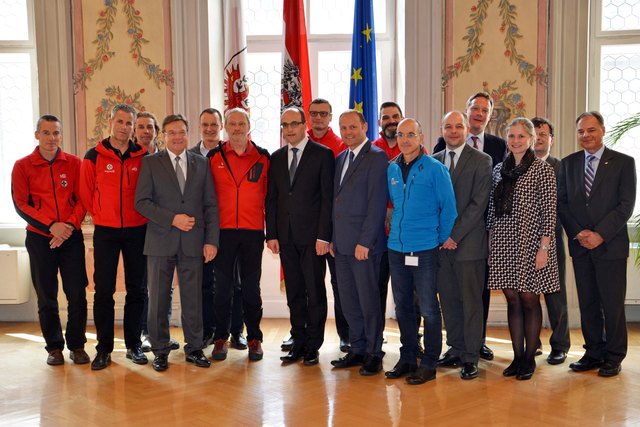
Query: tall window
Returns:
{"type": "Point", "coordinates": [329, 26]}
{"type": "Point", "coordinates": [18, 88]}
{"type": "Point", "coordinates": [615, 59]}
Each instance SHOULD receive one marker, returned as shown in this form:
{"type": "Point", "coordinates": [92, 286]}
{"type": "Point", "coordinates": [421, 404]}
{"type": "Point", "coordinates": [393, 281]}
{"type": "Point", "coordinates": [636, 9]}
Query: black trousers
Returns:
{"type": "Point", "coordinates": [304, 274]}
{"type": "Point", "coordinates": [602, 286]}
{"type": "Point", "coordinates": [342, 326]}
{"type": "Point", "coordinates": [239, 256]}
{"type": "Point", "coordinates": [45, 263]}
{"type": "Point", "coordinates": [108, 243]}
{"type": "Point", "coordinates": [557, 303]}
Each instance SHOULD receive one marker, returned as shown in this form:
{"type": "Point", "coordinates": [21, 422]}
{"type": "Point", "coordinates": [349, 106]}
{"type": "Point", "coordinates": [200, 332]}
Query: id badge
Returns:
{"type": "Point", "coordinates": [411, 261]}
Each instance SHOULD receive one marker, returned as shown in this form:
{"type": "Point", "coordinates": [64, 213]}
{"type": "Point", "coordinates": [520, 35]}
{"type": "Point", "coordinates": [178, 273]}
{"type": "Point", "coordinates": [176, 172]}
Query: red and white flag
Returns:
{"type": "Point", "coordinates": [296, 79]}
{"type": "Point", "coordinates": [236, 87]}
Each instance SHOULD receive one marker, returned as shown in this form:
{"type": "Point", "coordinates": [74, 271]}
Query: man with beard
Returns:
{"type": "Point", "coordinates": [388, 118]}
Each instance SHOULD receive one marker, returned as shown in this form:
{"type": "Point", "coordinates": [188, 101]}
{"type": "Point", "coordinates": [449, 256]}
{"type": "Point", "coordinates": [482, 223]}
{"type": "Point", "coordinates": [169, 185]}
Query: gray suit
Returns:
{"type": "Point", "coordinates": [557, 302]}
{"type": "Point", "coordinates": [461, 272]}
{"type": "Point", "coordinates": [158, 197]}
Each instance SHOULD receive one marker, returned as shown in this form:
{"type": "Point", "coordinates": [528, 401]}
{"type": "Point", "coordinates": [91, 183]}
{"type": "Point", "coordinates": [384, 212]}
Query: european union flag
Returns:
{"type": "Point", "coordinates": [363, 89]}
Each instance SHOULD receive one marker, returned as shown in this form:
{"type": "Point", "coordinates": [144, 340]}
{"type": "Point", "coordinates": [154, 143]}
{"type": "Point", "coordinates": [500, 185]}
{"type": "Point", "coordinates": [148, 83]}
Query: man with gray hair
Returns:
{"type": "Point", "coordinates": [108, 179]}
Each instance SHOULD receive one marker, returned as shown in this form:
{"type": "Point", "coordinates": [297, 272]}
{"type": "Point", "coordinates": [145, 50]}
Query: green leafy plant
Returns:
{"type": "Point", "coordinates": [613, 136]}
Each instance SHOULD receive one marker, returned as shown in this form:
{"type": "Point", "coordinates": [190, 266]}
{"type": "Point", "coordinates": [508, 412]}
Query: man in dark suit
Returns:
{"type": "Point", "coordinates": [463, 256]}
{"type": "Point", "coordinates": [596, 197]}
{"type": "Point", "coordinates": [479, 109]}
{"type": "Point", "coordinates": [210, 127]}
{"type": "Point", "coordinates": [359, 209]}
{"type": "Point", "coordinates": [556, 302]}
{"type": "Point", "coordinates": [175, 192]}
{"type": "Point", "coordinates": [300, 189]}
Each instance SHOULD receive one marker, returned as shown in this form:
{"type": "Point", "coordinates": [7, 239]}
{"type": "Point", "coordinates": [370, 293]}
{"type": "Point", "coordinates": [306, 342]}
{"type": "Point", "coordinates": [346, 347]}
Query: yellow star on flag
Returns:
{"type": "Point", "coordinates": [356, 75]}
{"type": "Point", "coordinates": [367, 32]}
{"type": "Point", "coordinates": [357, 106]}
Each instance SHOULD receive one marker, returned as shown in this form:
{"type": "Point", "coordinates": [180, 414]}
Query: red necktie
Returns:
{"type": "Point", "coordinates": [475, 141]}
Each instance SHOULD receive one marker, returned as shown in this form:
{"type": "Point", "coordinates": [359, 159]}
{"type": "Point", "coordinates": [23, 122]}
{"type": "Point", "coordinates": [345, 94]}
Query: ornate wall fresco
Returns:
{"type": "Point", "coordinates": [122, 53]}
{"type": "Point", "coordinates": [500, 47]}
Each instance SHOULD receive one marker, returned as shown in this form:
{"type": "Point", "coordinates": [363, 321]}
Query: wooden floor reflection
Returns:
{"type": "Point", "coordinates": [236, 392]}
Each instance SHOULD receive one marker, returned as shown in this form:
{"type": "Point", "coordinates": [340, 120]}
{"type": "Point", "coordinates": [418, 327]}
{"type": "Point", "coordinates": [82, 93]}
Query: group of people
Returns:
{"type": "Point", "coordinates": [480, 213]}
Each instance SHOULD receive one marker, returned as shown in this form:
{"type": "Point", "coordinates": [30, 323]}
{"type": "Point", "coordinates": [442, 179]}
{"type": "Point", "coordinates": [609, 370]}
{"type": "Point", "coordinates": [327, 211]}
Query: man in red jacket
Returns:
{"type": "Point", "coordinates": [320, 114]}
{"type": "Point", "coordinates": [45, 187]}
{"type": "Point", "coordinates": [109, 175]}
{"type": "Point", "coordinates": [239, 168]}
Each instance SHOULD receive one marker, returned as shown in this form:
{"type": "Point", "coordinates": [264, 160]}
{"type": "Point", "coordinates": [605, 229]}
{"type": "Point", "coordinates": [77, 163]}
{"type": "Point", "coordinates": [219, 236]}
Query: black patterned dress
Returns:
{"type": "Point", "coordinates": [515, 238]}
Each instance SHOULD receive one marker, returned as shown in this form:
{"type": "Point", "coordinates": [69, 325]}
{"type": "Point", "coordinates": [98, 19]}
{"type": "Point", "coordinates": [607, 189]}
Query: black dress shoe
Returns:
{"type": "Point", "coordinates": [486, 353]}
{"type": "Point", "coordinates": [238, 341]}
{"type": "Point", "coordinates": [137, 356]}
{"type": "Point", "coordinates": [400, 370]}
{"type": "Point", "coordinates": [161, 362]}
{"type": "Point", "coordinates": [469, 371]}
{"type": "Point", "coordinates": [586, 363]}
{"type": "Point", "coordinates": [372, 365]}
{"type": "Point", "coordinates": [348, 360]}
{"type": "Point", "coordinates": [292, 357]}
{"type": "Point", "coordinates": [344, 346]}
{"type": "Point", "coordinates": [448, 360]}
{"type": "Point", "coordinates": [556, 357]}
{"type": "Point", "coordinates": [287, 345]}
{"type": "Point", "coordinates": [421, 375]}
{"type": "Point", "coordinates": [311, 358]}
{"type": "Point", "coordinates": [198, 358]}
{"type": "Point", "coordinates": [512, 369]}
{"type": "Point", "coordinates": [526, 371]}
{"type": "Point", "coordinates": [609, 369]}
{"type": "Point", "coordinates": [175, 345]}
{"type": "Point", "coordinates": [101, 361]}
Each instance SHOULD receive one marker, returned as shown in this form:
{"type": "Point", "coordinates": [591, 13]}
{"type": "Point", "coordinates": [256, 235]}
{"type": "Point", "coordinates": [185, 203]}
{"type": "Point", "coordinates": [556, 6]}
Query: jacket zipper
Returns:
{"type": "Point", "coordinates": [53, 187]}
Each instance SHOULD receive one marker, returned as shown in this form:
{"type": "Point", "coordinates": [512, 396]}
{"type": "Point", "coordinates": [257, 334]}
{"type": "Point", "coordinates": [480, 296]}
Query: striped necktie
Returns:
{"type": "Point", "coordinates": [589, 175]}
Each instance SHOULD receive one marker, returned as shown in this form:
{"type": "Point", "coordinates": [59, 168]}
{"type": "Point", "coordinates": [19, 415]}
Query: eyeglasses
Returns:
{"type": "Point", "coordinates": [172, 133]}
{"type": "Point", "coordinates": [292, 125]}
{"type": "Point", "coordinates": [322, 114]}
{"type": "Point", "coordinates": [409, 135]}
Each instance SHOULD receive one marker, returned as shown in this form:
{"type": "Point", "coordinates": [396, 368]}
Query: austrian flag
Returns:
{"type": "Point", "coordinates": [296, 79]}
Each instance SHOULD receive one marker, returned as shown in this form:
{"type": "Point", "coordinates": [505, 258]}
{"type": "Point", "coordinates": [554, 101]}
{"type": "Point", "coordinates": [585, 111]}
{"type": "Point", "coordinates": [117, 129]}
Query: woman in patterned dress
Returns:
{"type": "Point", "coordinates": [522, 260]}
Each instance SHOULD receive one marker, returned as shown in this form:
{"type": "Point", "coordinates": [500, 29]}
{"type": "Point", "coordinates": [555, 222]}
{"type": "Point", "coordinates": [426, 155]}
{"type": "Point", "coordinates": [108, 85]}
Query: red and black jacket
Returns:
{"type": "Point", "coordinates": [108, 184]}
{"type": "Point", "coordinates": [242, 190]}
{"type": "Point", "coordinates": [45, 192]}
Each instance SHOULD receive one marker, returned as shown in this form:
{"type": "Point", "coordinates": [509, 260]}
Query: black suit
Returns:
{"type": "Point", "coordinates": [299, 214]}
{"type": "Point", "coordinates": [601, 278]}
{"type": "Point", "coordinates": [496, 147]}
{"type": "Point", "coordinates": [557, 302]}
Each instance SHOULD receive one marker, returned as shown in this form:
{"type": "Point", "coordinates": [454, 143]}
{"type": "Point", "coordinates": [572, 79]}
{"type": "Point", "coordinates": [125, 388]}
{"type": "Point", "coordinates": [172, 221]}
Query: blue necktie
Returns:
{"type": "Point", "coordinates": [589, 175]}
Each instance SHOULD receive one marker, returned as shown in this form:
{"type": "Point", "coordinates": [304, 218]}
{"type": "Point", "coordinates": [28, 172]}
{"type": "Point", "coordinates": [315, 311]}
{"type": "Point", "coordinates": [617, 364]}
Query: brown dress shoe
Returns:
{"type": "Point", "coordinates": [55, 357]}
{"type": "Point", "coordinates": [79, 356]}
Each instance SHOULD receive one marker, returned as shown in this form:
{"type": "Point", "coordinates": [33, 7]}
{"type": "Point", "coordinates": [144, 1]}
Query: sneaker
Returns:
{"type": "Point", "coordinates": [220, 349]}
{"type": "Point", "coordinates": [55, 357]}
{"type": "Point", "coordinates": [255, 350]}
{"type": "Point", "coordinates": [79, 356]}
{"type": "Point", "coordinates": [238, 341]}
{"type": "Point", "coordinates": [146, 344]}
{"type": "Point", "coordinates": [175, 345]}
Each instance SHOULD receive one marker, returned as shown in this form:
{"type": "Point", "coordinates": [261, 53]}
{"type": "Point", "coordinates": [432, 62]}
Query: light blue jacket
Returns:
{"type": "Point", "coordinates": [424, 208]}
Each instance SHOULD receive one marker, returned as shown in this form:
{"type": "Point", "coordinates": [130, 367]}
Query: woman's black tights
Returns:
{"type": "Point", "coordinates": [525, 320]}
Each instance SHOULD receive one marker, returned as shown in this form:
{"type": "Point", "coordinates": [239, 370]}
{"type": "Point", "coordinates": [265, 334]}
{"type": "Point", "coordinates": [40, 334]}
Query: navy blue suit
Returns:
{"type": "Point", "coordinates": [359, 210]}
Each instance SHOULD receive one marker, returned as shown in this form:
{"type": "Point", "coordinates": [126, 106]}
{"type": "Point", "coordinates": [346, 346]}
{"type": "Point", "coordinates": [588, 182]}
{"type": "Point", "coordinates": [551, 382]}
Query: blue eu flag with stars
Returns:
{"type": "Point", "coordinates": [363, 87]}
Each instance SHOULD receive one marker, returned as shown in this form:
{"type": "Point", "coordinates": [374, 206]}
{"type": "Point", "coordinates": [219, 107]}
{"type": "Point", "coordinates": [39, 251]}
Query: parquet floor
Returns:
{"type": "Point", "coordinates": [236, 392]}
